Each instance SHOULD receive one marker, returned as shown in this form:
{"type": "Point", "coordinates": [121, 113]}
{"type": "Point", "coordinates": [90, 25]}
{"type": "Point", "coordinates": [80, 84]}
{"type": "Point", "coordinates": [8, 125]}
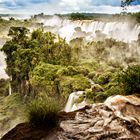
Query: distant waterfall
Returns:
{"type": "Point", "coordinates": [121, 30]}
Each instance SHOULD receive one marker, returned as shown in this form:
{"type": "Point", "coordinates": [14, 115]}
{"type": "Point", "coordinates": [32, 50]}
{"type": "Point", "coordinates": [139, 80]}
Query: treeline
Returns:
{"type": "Point", "coordinates": [42, 63]}
{"type": "Point", "coordinates": [135, 15]}
{"type": "Point", "coordinates": [25, 51]}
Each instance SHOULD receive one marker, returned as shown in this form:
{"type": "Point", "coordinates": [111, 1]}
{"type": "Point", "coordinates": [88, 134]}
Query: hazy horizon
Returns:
{"type": "Point", "coordinates": [30, 7]}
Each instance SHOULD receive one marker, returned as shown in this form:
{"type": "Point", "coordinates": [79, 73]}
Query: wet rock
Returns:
{"type": "Point", "coordinates": [118, 118]}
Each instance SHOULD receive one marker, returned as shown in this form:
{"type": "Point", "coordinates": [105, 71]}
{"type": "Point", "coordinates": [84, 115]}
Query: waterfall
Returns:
{"type": "Point", "coordinates": [10, 89]}
{"type": "Point", "coordinates": [119, 30]}
{"type": "Point", "coordinates": [70, 103]}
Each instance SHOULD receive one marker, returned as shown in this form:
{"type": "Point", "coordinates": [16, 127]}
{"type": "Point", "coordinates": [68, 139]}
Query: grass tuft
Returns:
{"type": "Point", "coordinates": [44, 112]}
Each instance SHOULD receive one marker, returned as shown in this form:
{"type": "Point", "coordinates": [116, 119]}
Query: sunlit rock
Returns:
{"type": "Point", "coordinates": [117, 118]}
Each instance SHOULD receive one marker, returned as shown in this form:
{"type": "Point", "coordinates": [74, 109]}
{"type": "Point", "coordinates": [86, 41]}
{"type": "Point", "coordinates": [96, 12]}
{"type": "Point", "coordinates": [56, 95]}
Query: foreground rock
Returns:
{"type": "Point", "coordinates": [24, 131]}
{"type": "Point", "coordinates": [118, 118]}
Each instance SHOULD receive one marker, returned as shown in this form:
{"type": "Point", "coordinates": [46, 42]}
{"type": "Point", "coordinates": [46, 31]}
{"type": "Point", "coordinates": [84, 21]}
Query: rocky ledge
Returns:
{"type": "Point", "coordinates": [118, 118]}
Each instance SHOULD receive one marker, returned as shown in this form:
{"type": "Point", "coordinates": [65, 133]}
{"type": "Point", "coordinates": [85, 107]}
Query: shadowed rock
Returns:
{"type": "Point", "coordinates": [118, 118]}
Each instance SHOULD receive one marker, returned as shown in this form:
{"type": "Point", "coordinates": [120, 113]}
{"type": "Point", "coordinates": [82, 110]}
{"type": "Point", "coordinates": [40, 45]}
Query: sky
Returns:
{"type": "Point", "coordinates": [64, 6]}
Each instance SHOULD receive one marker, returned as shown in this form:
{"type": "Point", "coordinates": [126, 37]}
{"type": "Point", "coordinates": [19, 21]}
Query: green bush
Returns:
{"type": "Point", "coordinates": [67, 71]}
{"type": "Point", "coordinates": [89, 94]}
{"type": "Point", "coordinates": [104, 78]}
{"type": "Point", "coordinates": [43, 112]}
{"type": "Point", "coordinates": [4, 87]}
{"type": "Point", "coordinates": [100, 97]}
{"type": "Point", "coordinates": [68, 84]}
{"type": "Point", "coordinates": [79, 99]}
{"type": "Point", "coordinates": [91, 75]}
{"type": "Point", "coordinates": [129, 79]}
{"type": "Point", "coordinates": [95, 94]}
{"type": "Point", "coordinates": [114, 90]}
{"type": "Point", "coordinates": [80, 83]}
{"type": "Point", "coordinates": [42, 78]}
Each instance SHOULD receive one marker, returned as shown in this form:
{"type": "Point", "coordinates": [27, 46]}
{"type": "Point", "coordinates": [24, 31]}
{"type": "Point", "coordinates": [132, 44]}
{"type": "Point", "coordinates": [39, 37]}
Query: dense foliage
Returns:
{"type": "Point", "coordinates": [43, 67]}
{"type": "Point", "coordinates": [135, 15]}
{"type": "Point", "coordinates": [24, 53]}
{"type": "Point", "coordinates": [126, 2]}
{"type": "Point", "coordinates": [79, 16]}
{"type": "Point", "coordinates": [4, 87]}
{"type": "Point", "coordinates": [129, 79]}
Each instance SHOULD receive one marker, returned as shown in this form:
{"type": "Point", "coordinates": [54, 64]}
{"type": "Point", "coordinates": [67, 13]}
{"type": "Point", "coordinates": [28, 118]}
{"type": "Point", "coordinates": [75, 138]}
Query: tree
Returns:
{"type": "Point", "coordinates": [129, 79]}
{"type": "Point", "coordinates": [126, 2]}
{"type": "Point", "coordinates": [18, 34]}
{"type": "Point", "coordinates": [25, 52]}
{"type": "Point", "coordinates": [21, 52]}
{"type": "Point", "coordinates": [78, 16]}
{"type": "Point", "coordinates": [43, 77]}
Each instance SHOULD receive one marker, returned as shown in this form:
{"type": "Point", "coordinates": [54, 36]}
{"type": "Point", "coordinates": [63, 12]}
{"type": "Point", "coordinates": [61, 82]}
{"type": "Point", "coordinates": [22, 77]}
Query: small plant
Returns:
{"type": "Point", "coordinates": [79, 99]}
{"type": "Point", "coordinates": [43, 112]}
{"type": "Point", "coordinates": [104, 78]}
{"type": "Point", "coordinates": [129, 79]}
{"type": "Point", "coordinates": [89, 94]}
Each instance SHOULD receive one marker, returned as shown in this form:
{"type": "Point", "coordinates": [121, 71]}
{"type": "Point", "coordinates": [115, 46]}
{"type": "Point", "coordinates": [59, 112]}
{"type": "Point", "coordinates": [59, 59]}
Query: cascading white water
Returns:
{"type": "Point", "coordinates": [122, 31]}
{"type": "Point", "coordinates": [70, 103]}
{"type": "Point", "coordinates": [10, 90]}
{"type": "Point", "coordinates": [3, 74]}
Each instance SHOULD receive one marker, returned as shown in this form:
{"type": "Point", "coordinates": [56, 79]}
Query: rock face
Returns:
{"type": "Point", "coordinates": [118, 118]}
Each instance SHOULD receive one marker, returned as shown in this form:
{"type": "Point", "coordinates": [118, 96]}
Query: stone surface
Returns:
{"type": "Point", "coordinates": [116, 119]}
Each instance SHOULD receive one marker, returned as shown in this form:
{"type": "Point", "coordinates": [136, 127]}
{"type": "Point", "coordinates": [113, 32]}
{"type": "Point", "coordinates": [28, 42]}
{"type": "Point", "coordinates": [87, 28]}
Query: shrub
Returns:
{"type": "Point", "coordinates": [79, 99]}
{"type": "Point", "coordinates": [68, 84]}
{"type": "Point", "coordinates": [104, 78]}
{"type": "Point", "coordinates": [89, 94]}
{"type": "Point", "coordinates": [42, 78]}
{"type": "Point", "coordinates": [100, 97]}
{"type": "Point", "coordinates": [114, 90]}
{"type": "Point", "coordinates": [4, 87]}
{"type": "Point", "coordinates": [67, 71]}
{"type": "Point", "coordinates": [80, 83]}
{"type": "Point", "coordinates": [83, 70]}
{"type": "Point", "coordinates": [91, 75]}
{"type": "Point", "coordinates": [129, 79]}
{"type": "Point", "coordinates": [43, 112]}
{"type": "Point", "coordinates": [95, 97]}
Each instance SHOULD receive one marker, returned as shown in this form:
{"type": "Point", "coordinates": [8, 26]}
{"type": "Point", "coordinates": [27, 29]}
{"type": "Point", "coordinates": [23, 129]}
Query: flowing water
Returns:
{"type": "Point", "coordinates": [71, 106]}
{"type": "Point", "coordinates": [70, 103]}
{"type": "Point", "coordinates": [89, 29]}
{"type": "Point", "coordinates": [123, 31]}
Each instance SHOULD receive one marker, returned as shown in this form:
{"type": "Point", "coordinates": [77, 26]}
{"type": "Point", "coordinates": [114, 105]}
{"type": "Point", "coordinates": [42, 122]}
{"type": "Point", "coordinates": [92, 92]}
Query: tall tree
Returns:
{"type": "Point", "coordinates": [126, 2]}
{"type": "Point", "coordinates": [20, 56]}
{"type": "Point", "coordinates": [24, 52]}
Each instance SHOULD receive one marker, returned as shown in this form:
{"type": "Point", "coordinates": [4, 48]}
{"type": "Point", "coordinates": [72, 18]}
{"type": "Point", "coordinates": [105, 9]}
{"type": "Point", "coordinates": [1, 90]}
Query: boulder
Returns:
{"type": "Point", "coordinates": [117, 118]}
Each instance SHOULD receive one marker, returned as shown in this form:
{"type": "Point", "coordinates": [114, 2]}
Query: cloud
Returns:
{"type": "Point", "coordinates": [62, 6]}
